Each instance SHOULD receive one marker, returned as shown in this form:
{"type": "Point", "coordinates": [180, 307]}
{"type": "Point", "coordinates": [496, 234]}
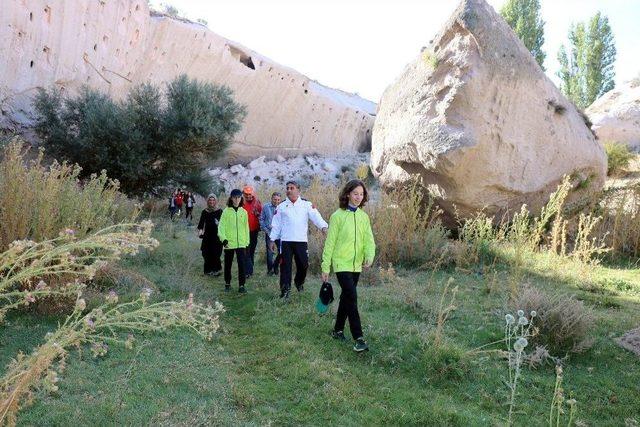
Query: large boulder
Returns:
{"type": "Point", "coordinates": [479, 124]}
{"type": "Point", "coordinates": [616, 115]}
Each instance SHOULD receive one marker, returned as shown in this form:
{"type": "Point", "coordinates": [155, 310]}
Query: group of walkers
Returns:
{"type": "Point", "coordinates": [182, 199]}
{"type": "Point", "coordinates": [349, 244]}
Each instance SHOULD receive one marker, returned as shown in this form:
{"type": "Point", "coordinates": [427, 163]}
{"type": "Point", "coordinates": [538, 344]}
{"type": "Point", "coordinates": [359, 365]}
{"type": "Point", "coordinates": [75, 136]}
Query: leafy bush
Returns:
{"type": "Point", "coordinates": [147, 140]}
{"type": "Point", "coordinates": [562, 322]}
{"type": "Point", "coordinates": [618, 157]}
{"type": "Point", "coordinates": [37, 202]}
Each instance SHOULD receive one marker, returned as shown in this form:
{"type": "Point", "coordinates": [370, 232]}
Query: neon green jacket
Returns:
{"type": "Point", "coordinates": [349, 242]}
{"type": "Point", "coordinates": [234, 227]}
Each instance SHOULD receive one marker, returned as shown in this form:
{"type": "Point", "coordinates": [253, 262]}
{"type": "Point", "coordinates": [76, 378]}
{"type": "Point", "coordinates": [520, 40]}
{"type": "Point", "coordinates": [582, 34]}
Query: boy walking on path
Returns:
{"type": "Point", "coordinates": [266, 218]}
{"type": "Point", "coordinates": [291, 225]}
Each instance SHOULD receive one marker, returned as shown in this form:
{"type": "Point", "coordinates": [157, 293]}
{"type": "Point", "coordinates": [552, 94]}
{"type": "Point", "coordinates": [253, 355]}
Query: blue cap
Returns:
{"type": "Point", "coordinates": [236, 193]}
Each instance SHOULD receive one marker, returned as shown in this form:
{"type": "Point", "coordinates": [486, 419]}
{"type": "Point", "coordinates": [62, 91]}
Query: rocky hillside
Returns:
{"type": "Point", "coordinates": [112, 45]}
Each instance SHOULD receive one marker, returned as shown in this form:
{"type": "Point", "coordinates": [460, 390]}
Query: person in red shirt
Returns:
{"type": "Point", "coordinates": [178, 201]}
{"type": "Point", "coordinates": [254, 208]}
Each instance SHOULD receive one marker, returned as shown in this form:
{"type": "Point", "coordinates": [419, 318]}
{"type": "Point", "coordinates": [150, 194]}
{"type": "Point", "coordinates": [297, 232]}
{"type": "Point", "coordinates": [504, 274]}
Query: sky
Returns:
{"type": "Point", "coordinates": [361, 46]}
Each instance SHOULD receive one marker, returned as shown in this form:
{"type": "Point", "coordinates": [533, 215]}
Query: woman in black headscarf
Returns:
{"type": "Point", "coordinates": [211, 246]}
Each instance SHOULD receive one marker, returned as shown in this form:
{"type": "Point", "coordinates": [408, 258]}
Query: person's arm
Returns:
{"type": "Point", "coordinates": [329, 245]}
{"type": "Point", "coordinates": [316, 218]}
{"type": "Point", "coordinates": [369, 244]}
{"type": "Point", "coordinates": [201, 221]}
{"type": "Point", "coordinates": [244, 232]}
{"type": "Point", "coordinates": [222, 227]}
{"type": "Point", "coordinates": [276, 226]}
{"type": "Point", "coordinates": [263, 221]}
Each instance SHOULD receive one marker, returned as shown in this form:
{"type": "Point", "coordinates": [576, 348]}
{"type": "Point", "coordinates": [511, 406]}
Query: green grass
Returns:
{"type": "Point", "coordinates": [275, 363]}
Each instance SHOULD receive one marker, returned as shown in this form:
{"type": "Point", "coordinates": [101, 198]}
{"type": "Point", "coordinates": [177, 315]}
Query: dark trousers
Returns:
{"type": "Point", "coordinates": [348, 307]}
{"type": "Point", "coordinates": [211, 257]}
{"type": "Point", "coordinates": [293, 251]}
{"type": "Point", "coordinates": [228, 260]}
{"type": "Point", "coordinates": [271, 264]}
{"type": "Point", "coordinates": [251, 251]}
{"type": "Point", "coordinates": [189, 213]}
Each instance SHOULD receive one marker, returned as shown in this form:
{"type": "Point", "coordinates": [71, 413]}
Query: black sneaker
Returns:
{"type": "Point", "coordinates": [242, 290]}
{"type": "Point", "coordinates": [269, 273]}
{"type": "Point", "coordinates": [285, 296]}
{"type": "Point", "coordinates": [216, 273]}
{"type": "Point", "coordinates": [338, 335]}
{"type": "Point", "coordinates": [360, 346]}
{"type": "Point", "coordinates": [300, 287]}
{"type": "Point", "coordinates": [227, 288]}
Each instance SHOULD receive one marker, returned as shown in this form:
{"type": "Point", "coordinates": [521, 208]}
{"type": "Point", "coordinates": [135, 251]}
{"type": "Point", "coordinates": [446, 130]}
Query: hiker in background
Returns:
{"type": "Point", "coordinates": [211, 245]}
{"type": "Point", "coordinates": [178, 200]}
{"type": "Point", "coordinates": [254, 208]}
{"type": "Point", "coordinates": [189, 203]}
{"type": "Point", "coordinates": [233, 232]}
{"type": "Point", "coordinates": [172, 204]}
{"type": "Point", "coordinates": [349, 246]}
{"type": "Point", "coordinates": [266, 217]}
{"type": "Point", "coordinates": [290, 225]}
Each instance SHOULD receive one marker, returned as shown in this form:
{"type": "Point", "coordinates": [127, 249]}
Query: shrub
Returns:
{"type": "Point", "coordinates": [146, 140]}
{"type": "Point", "coordinates": [37, 202]}
{"type": "Point", "coordinates": [563, 322]}
{"type": "Point", "coordinates": [618, 157]}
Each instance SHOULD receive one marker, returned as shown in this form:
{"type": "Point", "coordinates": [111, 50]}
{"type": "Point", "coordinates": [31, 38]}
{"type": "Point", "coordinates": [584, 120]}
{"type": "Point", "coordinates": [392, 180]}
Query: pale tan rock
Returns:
{"type": "Point", "coordinates": [111, 45]}
{"type": "Point", "coordinates": [616, 115]}
{"type": "Point", "coordinates": [476, 120]}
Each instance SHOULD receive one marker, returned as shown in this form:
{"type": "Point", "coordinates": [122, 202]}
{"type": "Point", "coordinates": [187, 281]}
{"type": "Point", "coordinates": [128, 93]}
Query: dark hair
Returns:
{"type": "Point", "coordinates": [230, 202]}
{"type": "Point", "coordinates": [293, 183]}
{"type": "Point", "coordinates": [275, 193]}
{"type": "Point", "coordinates": [343, 198]}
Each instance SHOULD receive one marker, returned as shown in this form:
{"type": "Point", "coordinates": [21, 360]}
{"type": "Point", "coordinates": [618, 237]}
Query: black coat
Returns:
{"type": "Point", "coordinates": [209, 222]}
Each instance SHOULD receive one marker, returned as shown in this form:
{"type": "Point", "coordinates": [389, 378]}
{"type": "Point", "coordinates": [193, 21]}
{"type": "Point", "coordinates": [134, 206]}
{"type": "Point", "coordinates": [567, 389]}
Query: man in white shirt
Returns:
{"type": "Point", "coordinates": [290, 224]}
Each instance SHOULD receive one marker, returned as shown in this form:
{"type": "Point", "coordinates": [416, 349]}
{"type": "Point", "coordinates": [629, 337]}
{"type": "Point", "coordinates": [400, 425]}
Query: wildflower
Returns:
{"type": "Point", "coordinates": [520, 344]}
{"type": "Point", "coordinates": [50, 381]}
{"type": "Point", "coordinates": [41, 286]}
{"type": "Point", "coordinates": [112, 297]}
{"type": "Point", "coordinates": [29, 298]}
{"type": "Point", "coordinates": [81, 304]}
{"type": "Point", "coordinates": [571, 402]}
{"type": "Point", "coordinates": [510, 319]}
{"type": "Point", "coordinates": [520, 313]}
{"type": "Point", "coordinates": [99, 349]}
{"type": "Point", "coordinates": [89, 321]}
{"type": "Point", "coordinates": [534, 313]}
{"type": "Point", "coordinates": [522, 321]}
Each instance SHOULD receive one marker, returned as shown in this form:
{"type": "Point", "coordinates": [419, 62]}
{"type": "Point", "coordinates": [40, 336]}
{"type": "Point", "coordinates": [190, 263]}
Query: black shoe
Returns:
{"type": "Point", "coordinates": [269, 273]}
{"type": "Point", "coordinates": [300, 287]}
{"type": "Point", "coordinates": [242, 290]}
{"type": "Point", "coordinates": [247, 276]}
{"type": "Point", "coordinates": [360, 346]}
{"type": "Point", "coordinates": [227, 288]}
{"type": "Point", "coordinates": [285, 295]}
{"type": "Point", "coordinates": [338, 335]}
{"type": "Point", "coordinates": [216, 273]}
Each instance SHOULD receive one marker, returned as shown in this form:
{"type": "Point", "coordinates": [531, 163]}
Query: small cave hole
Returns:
{"type": "Point", "coordinates": [31, 64]}
{"type": "Point", "coordinates": [30, 16]}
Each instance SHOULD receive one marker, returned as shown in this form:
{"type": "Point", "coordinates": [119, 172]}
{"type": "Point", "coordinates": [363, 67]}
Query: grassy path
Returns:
{"type": "Point", "coordinates": [275, 363]}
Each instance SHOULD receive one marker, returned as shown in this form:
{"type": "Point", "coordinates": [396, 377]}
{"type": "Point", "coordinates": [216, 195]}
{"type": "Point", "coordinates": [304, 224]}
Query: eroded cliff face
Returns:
{"type": "Point", "coordinates": [111, 45]}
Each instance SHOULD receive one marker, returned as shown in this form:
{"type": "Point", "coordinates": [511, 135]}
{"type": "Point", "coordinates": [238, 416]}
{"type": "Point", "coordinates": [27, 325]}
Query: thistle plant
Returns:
{"type": "Point", "coordinates": [109, 324]}
{"type": "Point", "coordinates": [30, 271]}
{"type": "Point", "coordinates": [516, 335]}
{"type": "Point", "coordinates": [559, 403]}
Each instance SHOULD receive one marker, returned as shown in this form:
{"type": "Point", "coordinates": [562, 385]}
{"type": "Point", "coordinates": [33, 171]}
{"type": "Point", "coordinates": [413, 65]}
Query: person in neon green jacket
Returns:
{"type": "Point", "coordinates": [233, 231]}
{"type": "Point", "coordinates": [349, 246]}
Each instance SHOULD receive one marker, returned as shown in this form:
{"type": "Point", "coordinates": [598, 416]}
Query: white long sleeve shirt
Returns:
{"type": "Point", "coordinates": [291, 221]}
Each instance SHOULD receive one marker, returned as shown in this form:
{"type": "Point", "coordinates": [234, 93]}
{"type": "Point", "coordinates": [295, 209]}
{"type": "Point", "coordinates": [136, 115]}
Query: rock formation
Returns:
{"type": "Point", "coordinates": [113, 44]}
{"type": "Point", "coordinates": [476, 120]}
{"type": "Point", "coordinates": [616, 115]}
